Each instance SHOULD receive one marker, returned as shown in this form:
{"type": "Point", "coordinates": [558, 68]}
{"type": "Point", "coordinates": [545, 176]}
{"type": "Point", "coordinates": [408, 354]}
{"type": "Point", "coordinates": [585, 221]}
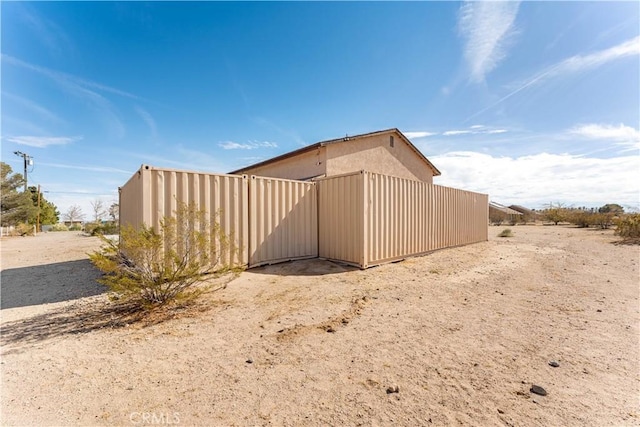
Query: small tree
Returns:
{"type": "Point", "coordinates": [15, 207]}
{"type": "Point", "coordinates": [151, 268]}
{"type": "Point", "coordinates": [97, 206]}
{"type": "Point", "coordinates": [48, 211]}
{"type": "Point", "coordinates": [74, 214]}
{"type": "Point", "coordinates": [114, 211]}
{"type": "Point", "coordinates": [612, 208]}
{"type": "Point", "coordinates": [555, 213]}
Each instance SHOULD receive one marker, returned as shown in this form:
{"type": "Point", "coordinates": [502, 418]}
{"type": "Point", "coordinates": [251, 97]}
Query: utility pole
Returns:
{"type": "Point", "coordinates": [28, 160]}
{"type": "Point", "coordinates": [38, 217]}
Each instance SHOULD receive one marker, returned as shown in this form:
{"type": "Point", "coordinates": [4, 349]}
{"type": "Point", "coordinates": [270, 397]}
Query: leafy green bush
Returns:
{"type": "Point", "coordinates": [628, 227]}
{"type": "Point", "coordinates": [151, 268]}
{"type": "Point", "coordinates": [75, 227]}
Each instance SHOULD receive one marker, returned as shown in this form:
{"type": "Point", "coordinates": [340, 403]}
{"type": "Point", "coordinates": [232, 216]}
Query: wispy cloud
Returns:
{"type": "Point", "coordinates": [148, 119]}
{"type": "Point", "coordinates": [486, 28]}
{"type": "Point", "coordinates": [86, 168]}
{"type": "Point", "coordinates": [418, 134]}
{"type": "Point", "coordinates": [50, 33]}
{"type": "Point", "coordinates": [61, 77]}
{"type": "Point", "coordinates": [290, 133]}
{"type": "Point", "coordinates": [43, 141]}
{"type": "Point", "coordinates": [568, 66]}
{"type": "Point", "coordinates": [474, 130]}
{"type": "Point", "coordinates": [33, 107]}
{"type": "Point", "coordinates": [83, 89]}
{"type": "Point", "coordinates": [456, 132]}
{"type": "Point", "coordinates": [251, 145]}
{"type": "Point", "coordinates": [621, 135]}
{"type": "Point", "coordinates": [538, 179]}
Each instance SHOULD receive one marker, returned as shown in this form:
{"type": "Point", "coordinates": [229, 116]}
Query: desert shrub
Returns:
{"type": "Point", "coordinates": [23, 229]}
{"type": "Point", "coordinates": [98, 228]}
{"type": "Point", "coordinates": [108, 228]}
{"type": "Point", "coordinates": [75, 227]}
{"type": "Point", "coordinates": [91, 227]}
{"type": "Point", "coordinates": [59, 227]}
{"type": "Point", "coordinates": [581, 218]}
{"type": "Point", "coordinates": [628, 227]}
{"type": "Point", "coordinates": [555, 213]}
{"type": "Point", "coordinates": [603, 220]}
{"type": "Point", "coordinates": [151, 268]}
{"type": "Point", "coordinates": [506, 233]}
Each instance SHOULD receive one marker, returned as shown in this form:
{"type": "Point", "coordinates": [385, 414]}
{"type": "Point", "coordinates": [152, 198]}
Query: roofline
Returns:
{"type": "Point", "coordinates": [312, 147]}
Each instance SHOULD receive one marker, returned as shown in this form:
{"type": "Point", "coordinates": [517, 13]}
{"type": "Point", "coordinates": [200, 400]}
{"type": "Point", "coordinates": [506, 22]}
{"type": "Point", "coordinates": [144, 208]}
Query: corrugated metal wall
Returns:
{"type": "Point", "coordinates": [407, 217]}
{"type": "Point", "coordinates": [340, 218]}
{"type": "Point", "coordinates": [283, 222]}
{"type": "Point", "coordinates": [154, 193]}
{"type": "Point", "coordinates": [361, 218]}
{"type": "Point", "coordinates": [367, 219]}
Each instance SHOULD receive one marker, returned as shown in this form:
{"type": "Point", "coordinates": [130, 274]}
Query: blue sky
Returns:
{"type": "Point", "coordinates": [531, 102]}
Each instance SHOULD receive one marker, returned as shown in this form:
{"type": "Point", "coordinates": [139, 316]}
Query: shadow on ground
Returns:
{"type": "Point", "coordinates": [85, 317]}
{"type": "Point", "coordinates": [304, 267]}
{"type": "Point", "coordinates": [44, 284]}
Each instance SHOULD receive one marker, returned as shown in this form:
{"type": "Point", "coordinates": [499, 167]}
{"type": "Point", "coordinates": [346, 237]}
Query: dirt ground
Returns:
{"type": "Point", "coordinates": [457, 337]}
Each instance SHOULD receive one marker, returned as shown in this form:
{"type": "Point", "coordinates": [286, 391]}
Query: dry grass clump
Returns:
{"type": "Point", "coordinates": [506, 233]}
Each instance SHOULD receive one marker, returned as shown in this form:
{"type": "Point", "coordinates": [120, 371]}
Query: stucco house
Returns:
{"type": "Point", "coordinates": [386, 152]}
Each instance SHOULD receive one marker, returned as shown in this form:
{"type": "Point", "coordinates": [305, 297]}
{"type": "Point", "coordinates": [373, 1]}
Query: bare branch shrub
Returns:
{"type": "Point", "coordinates": [628, 227]}
{"type": "Point", "coordinates": [152, 267]}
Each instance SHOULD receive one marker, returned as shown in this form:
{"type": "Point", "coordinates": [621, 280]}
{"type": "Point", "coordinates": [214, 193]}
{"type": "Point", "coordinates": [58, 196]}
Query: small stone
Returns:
{"type": "Point", "coordinates": [393, 389]}
{"type": "Point", "coordinates": [249, 361]}
{"type": "Point", "coordinates": [599, 311]}
{"type": "Point", "coordinates": [554, 364]}
{"type": "Point", "coordinates": [536, 389]}
{"type": "Point", "coordinates": [330, 329]}
{"type": "Point", "coordinates": [500, 411]}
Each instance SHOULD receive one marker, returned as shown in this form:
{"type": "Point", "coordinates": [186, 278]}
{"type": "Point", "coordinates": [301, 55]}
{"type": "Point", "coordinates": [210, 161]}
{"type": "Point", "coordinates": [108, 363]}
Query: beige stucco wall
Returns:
{"type": "Point", "coordinates": [374, 154]}
{"type": "Point", "coordinates": [303, 166]}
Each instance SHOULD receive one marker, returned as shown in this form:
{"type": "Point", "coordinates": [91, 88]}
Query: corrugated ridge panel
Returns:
{"type": "Point", "coordinates": [156, 193]}
{"type": "Point", "coordinates": [283, 220]}
{"type": "Point", "coordinates": [130, 202]}
{"type": "Point", "coordinates": [341, 219]}
{"type": "Point", "coordinates": [407, 218]}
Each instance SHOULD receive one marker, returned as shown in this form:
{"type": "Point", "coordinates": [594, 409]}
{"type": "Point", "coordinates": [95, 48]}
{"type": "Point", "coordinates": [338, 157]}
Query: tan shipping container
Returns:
{"type": "Point", "coordinates": [368, 219]}
{"type": "Point", "coordinates": [153, 193]}
{"type": "Point", "coordinates": [283, 220]}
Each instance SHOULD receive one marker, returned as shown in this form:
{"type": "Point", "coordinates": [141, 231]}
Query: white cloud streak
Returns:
{"type": "Point", "coordinates": [251, 145]}
{"type": "Point", "coordinates": [148, 119]}
{"type": "Point", "coordinates": [620, 135]}
{"type": "Point", "coordinates": [418, 134]}
{"type": "Point", "coordinates": [34, 107]}
{"type": "Point", "coordinates": [571, 65]}
{"type": "Point", "coordinates": [105, 169]}
{"type": "Point", "coordinates": [456, 132]}
{"type": "Point", "coordinates": [51, 34]}
{"type": "Point", "coordinates": [474, 130]}
{"type": "Point", "coordinates": [536, 180]}
{"type": "Point", "coordinates": [486, 28]}
{"type": "Point", "coordinates": [82, 89]}
{"type": "Point", "coordinates": [43, 141]}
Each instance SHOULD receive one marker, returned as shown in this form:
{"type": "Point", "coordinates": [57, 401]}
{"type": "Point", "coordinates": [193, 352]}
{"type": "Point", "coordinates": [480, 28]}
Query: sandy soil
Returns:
{"type": "Point", "coordinates": [462, 333]}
